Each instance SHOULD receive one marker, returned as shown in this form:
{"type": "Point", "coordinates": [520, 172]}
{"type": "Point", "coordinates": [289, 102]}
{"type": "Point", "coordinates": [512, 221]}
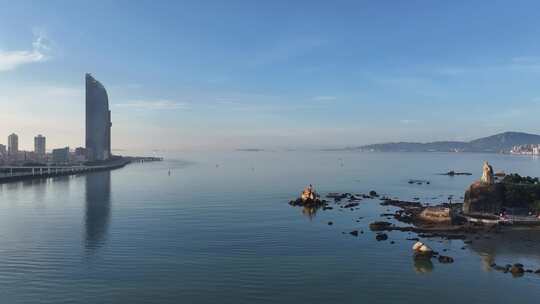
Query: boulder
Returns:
{"type": "Point", "coordinates": [381, 237]}
{"type": "Point", "coordinates": [484, 198]}
{"type": "Point", "coordinates": [379, 226]}
{"type": "Point", "coordinates": [436, 215]}
{"type": "Point", "coordinates": [445, 259]}
{"type": "Point", "coordinates": [516, 270]}
{"type": "Point", "coordinates": [420, 247]}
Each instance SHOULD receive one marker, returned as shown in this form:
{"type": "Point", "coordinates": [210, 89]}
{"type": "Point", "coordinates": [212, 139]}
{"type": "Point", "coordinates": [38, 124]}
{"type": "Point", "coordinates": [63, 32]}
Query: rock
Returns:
{"type": "Point", "coordinates": [445, 259]}
{"type": "Point", "coordinates": [454, 173]}
{"type": "Point", "coordinates": [436, 215]}
{"type": "Point", "coordinates": [516, 270]}
{"type": "Point", "coordinates": [529, 271]}
{"type": "Point", "coordinates": [392, 242]}
{"type": "Point", "coordinates": [354, 198]}
{"type": "Point", "coordinates": [335, 195]}
{"type": "Point", "coordinates": [413, 239]}
{"type": "Point", "coordinates": [373, 193]}
{"type": "Point", "coordinates": [381, 237]}
{"type": "Point", "coordinates": [350, 205]}
{"type": "Point", "coordinates": [354, 233]}
{"type": "Point", "coordinates": [484, 198]}
{"type": "Point", "coordinates": [379, 226]}
{"type": "Point", "coordinates": [421, 248]}
{"type": "Point", "coordinates": [330, 223]}
{"type": "Point", "coordinates": [537, 271]}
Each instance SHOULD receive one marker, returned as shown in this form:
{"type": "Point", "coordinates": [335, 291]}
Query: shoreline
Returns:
{"type": "Point", "coordinates": [50, 171]}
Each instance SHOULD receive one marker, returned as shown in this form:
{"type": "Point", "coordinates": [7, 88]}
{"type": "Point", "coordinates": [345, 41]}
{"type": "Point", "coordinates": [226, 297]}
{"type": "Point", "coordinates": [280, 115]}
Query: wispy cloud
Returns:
{"type": "Point", "coordinates": [155, 105]}
{"type": "Point", "coordinates": [519, 64]}
{"type": "Point", "coordinates": [10, 60]}
{"type": "Point", "coordinates": [408, 121]}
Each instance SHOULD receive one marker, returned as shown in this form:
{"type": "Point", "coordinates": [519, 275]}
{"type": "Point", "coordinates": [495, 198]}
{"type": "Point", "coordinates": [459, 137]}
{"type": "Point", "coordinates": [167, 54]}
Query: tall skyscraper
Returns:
{"type": "Point", "coordinates": [98, 121]}
{"type": "Point", "coordinates": [2, 150]}
{"type": "Point", "coordinates": [39, 145]}
{"type": "Point", "coordinates": [13, 144]}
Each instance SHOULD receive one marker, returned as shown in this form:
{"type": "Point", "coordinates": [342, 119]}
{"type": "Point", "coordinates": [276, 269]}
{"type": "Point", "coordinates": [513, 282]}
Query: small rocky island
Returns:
{"type": "Point", "coordinates": [512, 200]}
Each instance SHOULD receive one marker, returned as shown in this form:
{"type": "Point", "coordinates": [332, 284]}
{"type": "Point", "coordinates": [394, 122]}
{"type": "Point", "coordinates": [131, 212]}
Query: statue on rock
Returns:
{"type": "Point", "coordinates": [308, 194]}
{"type": "Point", "coordinates": [487, 174]}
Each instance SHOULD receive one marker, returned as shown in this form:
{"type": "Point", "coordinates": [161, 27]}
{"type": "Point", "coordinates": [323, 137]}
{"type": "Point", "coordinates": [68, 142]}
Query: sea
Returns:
{"type": "Point", "coordinates": [217, 228]}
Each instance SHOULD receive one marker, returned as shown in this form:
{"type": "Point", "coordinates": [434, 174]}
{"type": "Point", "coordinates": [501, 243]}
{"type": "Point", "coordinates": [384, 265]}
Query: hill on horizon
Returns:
{"type": "Point", "coordinates": [498, 143]}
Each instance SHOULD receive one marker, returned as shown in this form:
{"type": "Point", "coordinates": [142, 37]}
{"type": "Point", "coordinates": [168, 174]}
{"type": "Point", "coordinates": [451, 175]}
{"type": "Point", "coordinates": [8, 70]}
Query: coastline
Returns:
{"type": "Point", "coordinates": [48, 172]}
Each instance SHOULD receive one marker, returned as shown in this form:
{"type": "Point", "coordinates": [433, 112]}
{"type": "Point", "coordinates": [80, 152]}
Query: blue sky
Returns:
{"type": "Point", "coordinates": [271, 74]}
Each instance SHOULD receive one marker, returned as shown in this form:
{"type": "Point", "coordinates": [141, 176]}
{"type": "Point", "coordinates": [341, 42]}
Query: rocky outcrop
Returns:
{"type": "Point", "coordinates": [436, 215]}
{"type": "Point", "coordinates": [513, 191]}
{"type": "Point", "coordinates": [454, 173]}
{"type": "Point", "coordinates": [484, 198]}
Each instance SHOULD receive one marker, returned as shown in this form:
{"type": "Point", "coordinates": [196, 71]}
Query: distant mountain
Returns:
{"type": "Point", "coordinates": [499, 143]}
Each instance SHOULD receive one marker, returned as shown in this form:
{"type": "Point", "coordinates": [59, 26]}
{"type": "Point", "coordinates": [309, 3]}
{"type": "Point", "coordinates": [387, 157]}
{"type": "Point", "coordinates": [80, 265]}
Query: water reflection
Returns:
{"type": "Point", "coordinates": [423, 265]}
{"type": "Point", "coordinates": [310, 211]}
{"type": "Point", "coordinates": [98, 208]}
{"type": "Point", "coordinates": [509, 247]}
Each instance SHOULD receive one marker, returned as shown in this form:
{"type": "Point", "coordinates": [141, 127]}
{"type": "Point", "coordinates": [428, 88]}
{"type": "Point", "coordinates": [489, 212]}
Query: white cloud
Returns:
{"type": "Point", "coordinates": [408, 121]}
{"type": "Point", "coordinates": [10, 60]}
{"type": "Point", "coordinates": [155, 105]}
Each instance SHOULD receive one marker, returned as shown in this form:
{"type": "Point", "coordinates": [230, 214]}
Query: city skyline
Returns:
{"type": "Point", "coordinates": [303, 74]}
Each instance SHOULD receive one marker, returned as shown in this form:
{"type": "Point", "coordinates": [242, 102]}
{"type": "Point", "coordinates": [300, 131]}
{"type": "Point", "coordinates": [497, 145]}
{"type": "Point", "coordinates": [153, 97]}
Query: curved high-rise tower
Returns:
{"type": "Point", "coordinates": [98, 121]}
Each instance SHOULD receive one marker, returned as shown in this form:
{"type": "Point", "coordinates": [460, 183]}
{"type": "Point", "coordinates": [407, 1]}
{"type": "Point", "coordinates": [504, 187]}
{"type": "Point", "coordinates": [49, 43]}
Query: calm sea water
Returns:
{"type": "Point", "coordinates": [219, 230]}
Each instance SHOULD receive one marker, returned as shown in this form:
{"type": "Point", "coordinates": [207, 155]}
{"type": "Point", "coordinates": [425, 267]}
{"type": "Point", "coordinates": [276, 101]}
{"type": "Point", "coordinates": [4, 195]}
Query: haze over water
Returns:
{"type": "Point", "coordinates": [219, 230]}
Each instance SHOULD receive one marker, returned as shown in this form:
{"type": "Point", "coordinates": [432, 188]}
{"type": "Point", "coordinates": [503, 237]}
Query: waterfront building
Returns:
{"type": "Point", "coordinates": [60, 155]}
{"type": "Point", "coordinates": [98, 121]}
{"type": "Point", "coordinates": [79, 154]}
{"type": "Point", "coordinates": [13, 144]}
{"type": "Point", "coordinates": [531, 149]}
{"type": "Point", "coordinates": [80, 151]}
{"type": "Point", "coordinates": [39, 145]}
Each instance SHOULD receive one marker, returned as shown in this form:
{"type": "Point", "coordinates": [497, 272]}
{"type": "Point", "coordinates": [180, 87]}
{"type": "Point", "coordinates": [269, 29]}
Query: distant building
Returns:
{"type": "Point", "coordinates": [80, 151]}
{"type": "Point", "coordinates": [2, 150]}
{"type": "Point", "coordinates": [530, 149]}
{"type": "Point", "coordinates": [80, 154]}
{"type": "Point", "coordinates": [60, 155]}
{"type": "Point", "coordinates": [39, 145]}
{"type": "Point", "coordinates": [98, 121]}
{"type": "Point", "coordinates": [13, 144]}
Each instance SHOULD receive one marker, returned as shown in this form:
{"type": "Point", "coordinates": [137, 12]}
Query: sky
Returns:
{"type": "Point", "coordinates": [221, 75]}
